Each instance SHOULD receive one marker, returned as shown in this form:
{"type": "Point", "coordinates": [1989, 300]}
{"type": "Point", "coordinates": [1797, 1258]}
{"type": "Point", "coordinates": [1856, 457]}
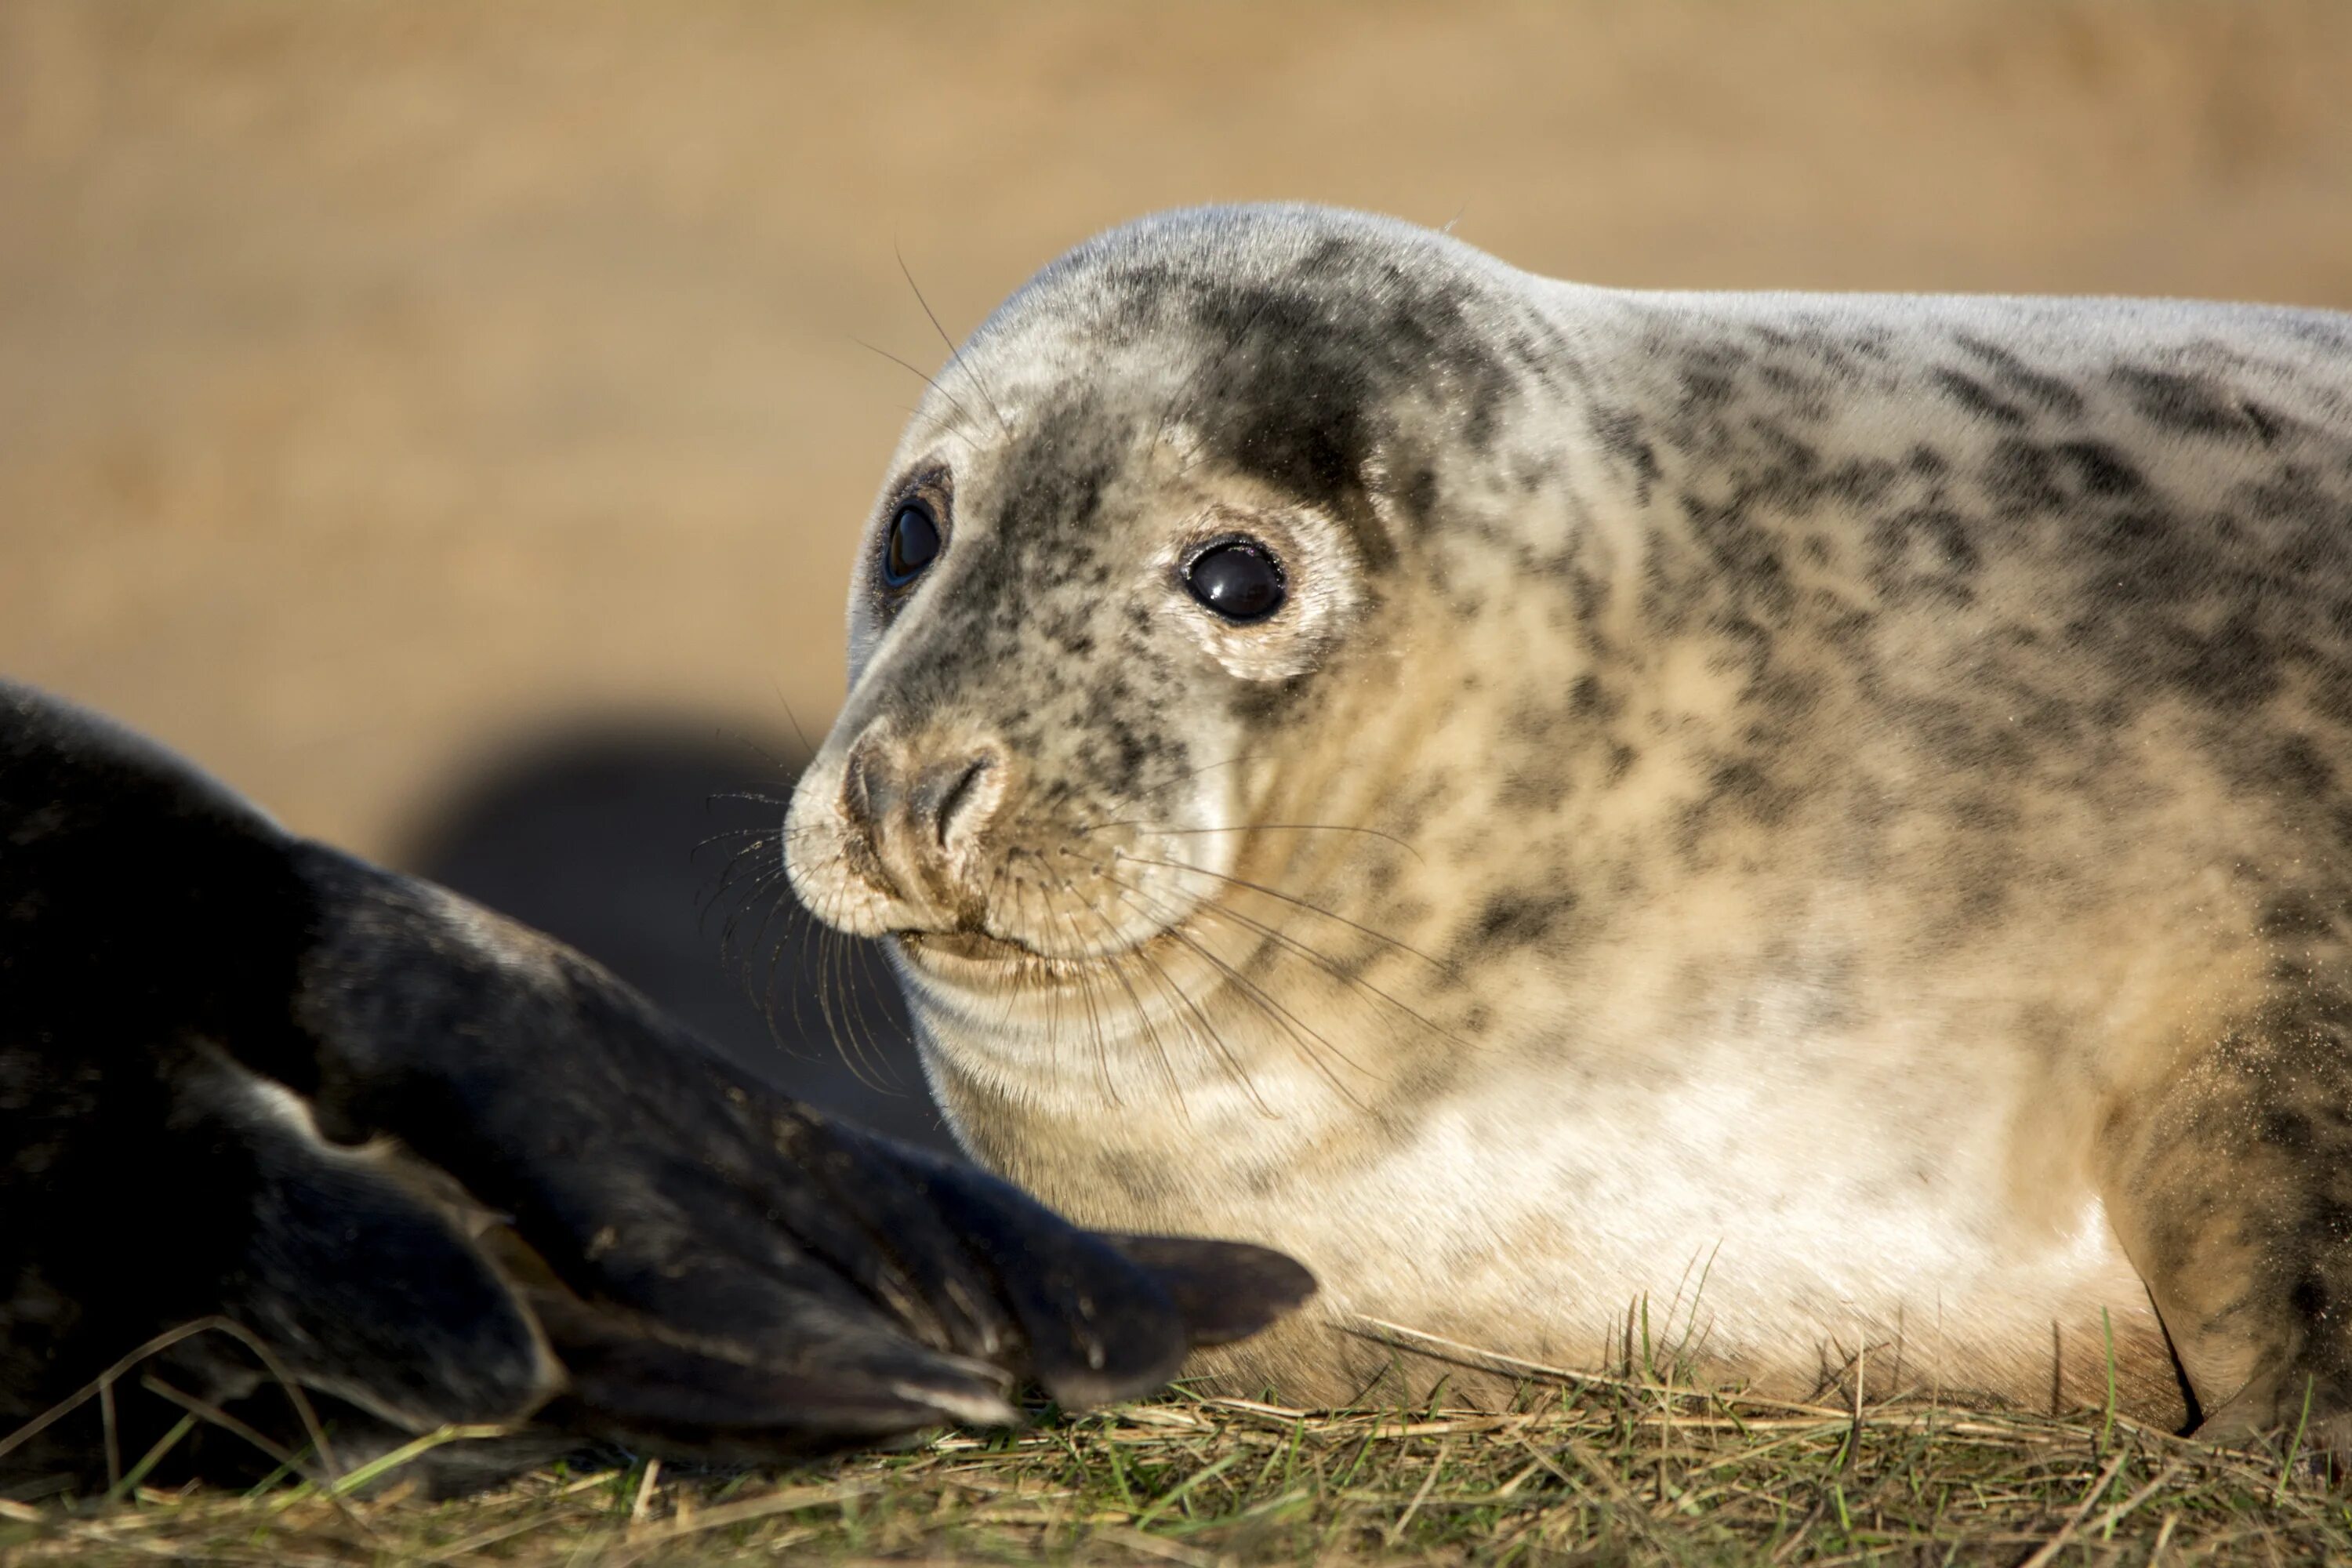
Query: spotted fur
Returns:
{"type": "Point", "coordinates": [1831, 812]}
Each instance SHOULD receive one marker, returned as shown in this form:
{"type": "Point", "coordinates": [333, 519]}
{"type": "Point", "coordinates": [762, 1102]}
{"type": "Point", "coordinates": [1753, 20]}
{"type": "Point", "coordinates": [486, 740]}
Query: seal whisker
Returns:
{"type": "Point", "coordinates": [764, 997]}
{"type": "Point", "coordinates": [1142, 1014]}
{"type": "Point", "coordinates": [758, 856]}
{"type": "Point", "coordinates": [1320, 960]}
{"type": "Point", "coordinates": [1233, 1065]}
{"type": "Point", "coordinates": [930, 381]}
{"type": "Point", "coordinates": [855, 961]}
{"type": "Point", "coordinates": [1306, 1037]}
{"type": "Point", "coordinates": [785, 950]}
{"type": "Point", "coordinates": [1256, 994]}
{"type": "Point", "coordinates": [1008, 997]}
{"type": "Point", "coordinates": [807, 965]}
{"type": "Point", "coordinates": [865, 1040]}
{"type": "Point", "coordinates": [785, 770]}
{"type": "Point", "coordinates": [1194, 1021]}
{"type": "Point", "coordinates": [1053, 998]}
{"type": "Point", "coordinates": [1234, 1068]}
{"type": "Point", "coordinates": [767, 893]}
{"type": "Point", "coordinates": [827, 1006]}
{"type": "Point", "coordinates": [828, 1001]}
{"type": "Point", "coordinates": [955, 354]}
{"type": "Point", "coordinates": [1288, 899]}
{"type": "Point", "coordinates": [761, 839]}
{"type": "Point", "coordinates": [1083, 974]}
{"type": "Point", "coordinates": [754, 796]}
{"type": "Point", "coordinates": [799, 734]}
{"type": "Point", "coordinates": [762, 883]}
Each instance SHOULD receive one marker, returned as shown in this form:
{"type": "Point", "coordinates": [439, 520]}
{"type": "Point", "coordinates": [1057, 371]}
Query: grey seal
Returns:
{"type": "Point", "coordinates": [1823, 819]}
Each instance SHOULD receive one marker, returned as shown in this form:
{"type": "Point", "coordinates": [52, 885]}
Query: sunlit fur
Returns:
{"type": "Point", "coordinates": [1822, 818]}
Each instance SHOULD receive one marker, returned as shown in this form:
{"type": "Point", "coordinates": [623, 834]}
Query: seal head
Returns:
{"type": "Point", "coordinates": [1161, 493]}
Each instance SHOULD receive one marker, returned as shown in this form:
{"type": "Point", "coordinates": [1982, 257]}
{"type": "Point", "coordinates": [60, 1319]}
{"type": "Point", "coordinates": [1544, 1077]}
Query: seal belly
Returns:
{"type": "Point", "coordinates": [1740, 1229]}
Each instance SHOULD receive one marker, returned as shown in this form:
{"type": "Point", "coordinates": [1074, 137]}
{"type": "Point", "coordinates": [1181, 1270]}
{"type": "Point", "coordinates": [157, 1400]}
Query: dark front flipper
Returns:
{"type": "Point", "coordinates": [873, 1287]}
{"type": "Point", "coordinates": [243, 1074]}
{"type": "Point", "coordinates": [148, 1182]}
{"type": "Point", "coordinates": [1225, 1290]}
{"type": "Point", "coordinates": [365, 1285]}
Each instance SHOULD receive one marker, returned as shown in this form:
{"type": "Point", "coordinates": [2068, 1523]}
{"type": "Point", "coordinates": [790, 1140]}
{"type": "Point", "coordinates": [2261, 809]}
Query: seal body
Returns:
{"type": "Point", "coordinates": [283, 1133]}
{"type": "Point", "coordinates": [1799, 829]}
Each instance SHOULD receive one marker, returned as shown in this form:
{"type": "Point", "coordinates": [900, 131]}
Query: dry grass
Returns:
{"type": "Point", "coordinates": [1602, 1470]}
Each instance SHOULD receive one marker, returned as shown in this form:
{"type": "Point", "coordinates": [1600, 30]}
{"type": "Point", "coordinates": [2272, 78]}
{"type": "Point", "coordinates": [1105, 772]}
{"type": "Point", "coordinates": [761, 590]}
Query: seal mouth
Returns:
{"type": "Point", "coordinates": [969, 953]}
{"type": "Point", "coordinates": [973, 960]}
{"type": "Point", "coordinates": [971, 946]}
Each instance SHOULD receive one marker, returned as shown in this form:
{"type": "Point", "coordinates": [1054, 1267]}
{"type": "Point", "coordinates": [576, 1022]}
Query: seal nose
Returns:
{"type": "Point", "coordinates": [921, 805]}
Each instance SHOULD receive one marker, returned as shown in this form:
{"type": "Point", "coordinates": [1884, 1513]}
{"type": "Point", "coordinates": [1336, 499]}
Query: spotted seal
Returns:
{"type": "Point", "coordinates": [1824, 819]}
{"type": "Point", "coordinates": [278, 1126]}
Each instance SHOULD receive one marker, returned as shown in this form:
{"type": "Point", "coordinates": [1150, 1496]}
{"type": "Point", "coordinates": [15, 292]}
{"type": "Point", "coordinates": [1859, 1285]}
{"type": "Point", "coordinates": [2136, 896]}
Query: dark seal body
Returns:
{"type": "Point", "coordinates": [288, 1140]}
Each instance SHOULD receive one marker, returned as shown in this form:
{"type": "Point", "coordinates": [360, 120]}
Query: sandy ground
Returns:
{"type": "Point", "coordinates": [380, 381]}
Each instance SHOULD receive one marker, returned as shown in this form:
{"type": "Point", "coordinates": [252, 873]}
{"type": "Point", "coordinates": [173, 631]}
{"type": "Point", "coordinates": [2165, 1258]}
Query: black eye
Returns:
{"type": "Point", "coordinates": [1239, 579]}
{"type": "Point", "coordinates": [913, 544]}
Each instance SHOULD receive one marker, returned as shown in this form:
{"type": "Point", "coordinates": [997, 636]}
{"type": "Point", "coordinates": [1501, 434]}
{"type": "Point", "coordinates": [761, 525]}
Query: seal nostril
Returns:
{"type": "Point", "coordinates": [857, 789]}
{"type": "Point", "coordinates": [957, 794]}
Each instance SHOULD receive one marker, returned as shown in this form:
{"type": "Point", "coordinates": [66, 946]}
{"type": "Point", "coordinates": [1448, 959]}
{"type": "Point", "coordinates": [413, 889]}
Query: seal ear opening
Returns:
{"type": "Point", "coordinates": [1224, 1291]}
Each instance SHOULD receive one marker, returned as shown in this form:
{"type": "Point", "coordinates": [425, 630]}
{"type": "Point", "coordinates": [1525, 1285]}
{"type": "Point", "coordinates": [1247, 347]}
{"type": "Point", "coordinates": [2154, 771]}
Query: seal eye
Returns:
{"type": "Point", "coordinates": [1239, 579]}
{"type": "Point", "coordinates": [913, 544]}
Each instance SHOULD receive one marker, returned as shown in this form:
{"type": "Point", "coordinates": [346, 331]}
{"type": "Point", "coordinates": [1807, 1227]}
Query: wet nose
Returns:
{"type": "Point", "coordinates": [919, 804]}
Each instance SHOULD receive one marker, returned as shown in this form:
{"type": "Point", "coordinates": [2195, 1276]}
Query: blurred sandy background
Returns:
{"type": "Point", "coordinates": [377, 380]}
{"type": "Point", "coordinates": [380, 384]}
